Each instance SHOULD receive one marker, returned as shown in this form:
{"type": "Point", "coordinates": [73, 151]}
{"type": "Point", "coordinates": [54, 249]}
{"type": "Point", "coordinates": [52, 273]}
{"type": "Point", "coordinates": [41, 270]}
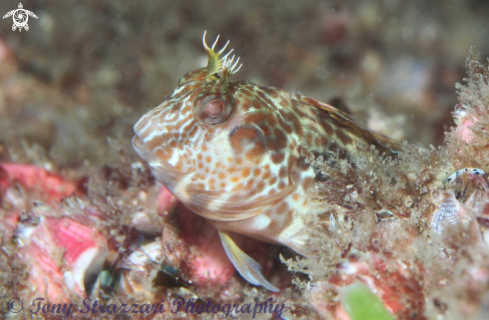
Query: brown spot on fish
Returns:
{"type": "Point", "coordinates": [282, 208]}
{"type": "Point", "coordinates": [271, 92]}
{"type": "Point", "coordinates": [246, 102]}
{"type": "Point", "coordinates": [179, 166]}
{"type": "Point", "coordinates": [192, 132]}
{"type": "Point", "coordinates": [277, 157]}
{"type": "Point", "coordinates": [200, 186]}
{"type": "Point", "coordinates": [246, 172]}
{"type": "Point", "coordinates": [266, 130]}
{"type": "Point", "coordinates": [281, 185]}
{"type": "Point", "coordinates": [260, 187]}
{"type": "Point", "coordinates": [257, 172]}
{"type": "Point", "coordinates": [162, 155]}
{"type": "Point", "coordinates": [324, 142]}
{"type": "Point", "coordinates": [256, 152]}
{"type": "Point", "coordinates": [188, 127]}
{"type": "Point", "coordinates": [270, 120]}
{"type": "Point", "coordinates": [255, 118]}
{"type": "Point", "coordinates": [186, 109]}
{"type": "Point", "coordinates": [344, 138]}
{"type": "Point", "coordinates": [282, 173]}
{"type": "Point", "coordinates": [302, 164]}
{"type": "Point", "coordinates": [288, 128]}
{"type": "Point", "coordinates": [154, 142]}
{"type": "Point", "coordinates": [239, 137]}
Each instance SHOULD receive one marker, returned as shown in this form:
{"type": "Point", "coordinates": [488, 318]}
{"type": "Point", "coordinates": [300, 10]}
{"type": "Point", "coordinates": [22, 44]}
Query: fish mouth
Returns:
{"type": "Point", "coordinates": [163, 171]}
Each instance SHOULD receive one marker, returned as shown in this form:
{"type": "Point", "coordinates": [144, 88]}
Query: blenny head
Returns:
{"type": "Point", "coordinates": [213, 142]}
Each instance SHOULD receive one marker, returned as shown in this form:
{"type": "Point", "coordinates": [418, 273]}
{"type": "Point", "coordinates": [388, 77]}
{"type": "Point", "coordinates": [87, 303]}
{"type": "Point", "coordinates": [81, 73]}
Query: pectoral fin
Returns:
{"type": "Point", "coordinates": [246, 266]}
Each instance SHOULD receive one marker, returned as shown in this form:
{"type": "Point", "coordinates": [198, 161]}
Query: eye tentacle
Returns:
{"type": "Point", "coordinates": [215, 42]}
{"type": "Point", "coordinates": [216, 63]}
{"type": "Point", "coordinates": [225, 57]}
{"type": "Point", "coordinates": [223, 48]}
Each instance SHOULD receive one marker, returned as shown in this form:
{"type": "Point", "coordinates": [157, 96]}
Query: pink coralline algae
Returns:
{"type": "Point", "coordinates": [35, 178]}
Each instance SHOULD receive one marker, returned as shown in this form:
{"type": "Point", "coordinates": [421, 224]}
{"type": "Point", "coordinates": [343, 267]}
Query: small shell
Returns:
{"type": "Point", "coordinates": [142, 258]}
{"type": "Point", "coordinates": [446, 213]}
{"type": "Point", "coordinates": [140, 269]}
{"type": "Point", "coordinates": [465, 181]}
{"type": "Point", "coordinates": [383, 215]}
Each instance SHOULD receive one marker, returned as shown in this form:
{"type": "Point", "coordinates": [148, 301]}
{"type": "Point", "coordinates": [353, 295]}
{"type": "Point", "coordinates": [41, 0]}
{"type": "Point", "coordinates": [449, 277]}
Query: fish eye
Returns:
{"type": "Point", "coordinates": [215, 109]}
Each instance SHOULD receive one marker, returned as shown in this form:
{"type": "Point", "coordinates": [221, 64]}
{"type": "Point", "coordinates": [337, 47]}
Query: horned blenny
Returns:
{"type": "Point", "coordinates": [235, 153]}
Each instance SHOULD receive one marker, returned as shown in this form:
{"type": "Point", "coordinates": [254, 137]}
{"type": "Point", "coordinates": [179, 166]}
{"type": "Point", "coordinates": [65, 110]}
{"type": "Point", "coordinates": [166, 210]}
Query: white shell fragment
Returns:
{"type": "Point", "coordinates": [143, 257]}
{"type": "Point", "coordinates": [383, 215]}
{"type": "Point", "coordinates": [62, 252]}
{"type": "Point", "coordinates": [137, 274]}
{"type": "Point", "coordinates": [446, 213]}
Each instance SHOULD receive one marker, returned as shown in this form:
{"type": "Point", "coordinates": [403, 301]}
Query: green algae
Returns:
{"type": "Point", "coordinates": [362, 304]}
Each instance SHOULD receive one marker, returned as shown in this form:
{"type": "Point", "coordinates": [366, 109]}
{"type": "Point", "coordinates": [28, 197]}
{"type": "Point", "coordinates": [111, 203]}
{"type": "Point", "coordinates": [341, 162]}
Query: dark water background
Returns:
{"type": "Point", "coordinates": [393, 63]}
